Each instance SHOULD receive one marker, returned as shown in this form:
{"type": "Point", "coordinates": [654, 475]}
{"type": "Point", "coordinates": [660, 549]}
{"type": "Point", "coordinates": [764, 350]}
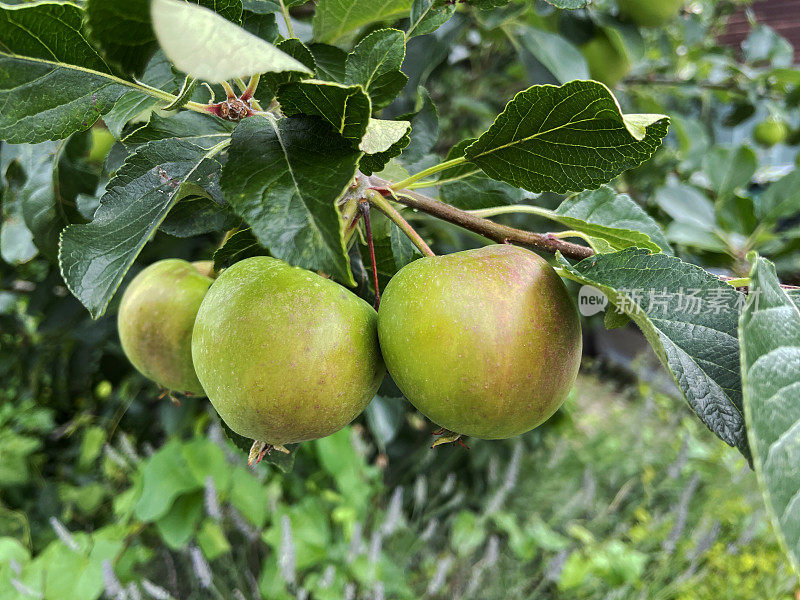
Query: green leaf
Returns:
{"type": "Point", "coordinates": [346, 107]}
{"type": "Point", "coordinates": [53, 81]}
{"type": "Point", "coordinates": [58, 100]}
{"type": "Point", "coordinates": [690, 319]}
{"type": "Point", "coordinates": [382, 134]}
{"type": "Point", "coordinates": [612, 217]}
{"type": "Point", "coordinates": [686, 204]}
{"type": "Point", "coordinates": [373, 139]}
{"type": "Point", "coordinates": [270, 82]}
{"type": "Point", "coordinates": [242, 244]}
{"type": "Point", "coordinates": [568, 4]}
{"type": "Point", "coordinates": [123, 31]}
{"type": "Point", "coordinates": [393, 251]}
{"type": "Point", "coordinates": [424, 128]}
{"type": "Point", "coordinates": [375, 65]}
{"type": "Point", "coordinates": [284, 177]}
{"type": "Point", "coordinates": [165, 476]}
{"type": "Point", "coordinates": [564, 61]}
{"type": "Point", "coordinates": [474, 190]}
{"type": "Point", "coordinates": [427, 16]}
{"type": "Point", "coordinates": [335, 18]}
{"type": "Point", "coordinates": [134, 104]}
{"type": "Point", "coordinates": [188, 126]}
{"type": "Point", "coordinates": [567, 138]}
{"type": "Point", "coordinates": [198, 213]}
{"type": "Point", "coordinates": [769, 330]}
{"type": "Point", "coordinates": [781, 199]}
{"type": "Point", "coordinates": [49, 31]}
{"type": "Point", "coordinates": [177, 526]}
{"type": "Point", "coordinates": [331, 62]}
{"type": "Point", "coordinates": [217, 50]}
{"type": "Point", "coordinates": [264, 26]}
{"type": "Point", "coordinates": [729, 169]}
{"type": "Point", "coordinates": [95, 257]}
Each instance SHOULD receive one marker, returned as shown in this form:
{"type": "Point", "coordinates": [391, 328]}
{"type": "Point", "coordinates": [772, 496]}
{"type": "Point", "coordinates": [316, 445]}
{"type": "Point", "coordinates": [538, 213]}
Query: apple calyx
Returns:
{"type": "Point", "coordinates": [259, 449]}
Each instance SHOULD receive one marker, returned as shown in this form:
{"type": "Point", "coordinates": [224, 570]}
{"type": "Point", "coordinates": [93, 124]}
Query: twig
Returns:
{"type": "Point", "coordinates": [378, 201]}
{"type": "Point", "coordinates": [497, 232]}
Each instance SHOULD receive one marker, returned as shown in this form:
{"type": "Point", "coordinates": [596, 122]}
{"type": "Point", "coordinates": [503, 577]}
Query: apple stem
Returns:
{"type": "Point", "coordinates": [375, 197]}
{"type": "Point", "coordinates": [363, 207]}
{"type": "Point", "coordinates": [489, 229]}
{"type": "Point", "coordinates": [260, 449]}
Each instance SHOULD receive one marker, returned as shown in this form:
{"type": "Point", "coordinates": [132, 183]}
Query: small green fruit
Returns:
{"type": "Point", "coordinates": [284, 354]}
{"type": "Point", "coordinates": [607, 59]}
{"type": "Point", "coordinates": [649, 13]}
{"type": "Point", "coordinates": [770, 132]}
{"type": "Point", "coordinates": [485, 343]}
{"type": "Point", "coordinates": [102, 140]}
{"type": "Point", "coordinates": [103, 389]}
{"type": "Point", "coordinates": [155, 322]}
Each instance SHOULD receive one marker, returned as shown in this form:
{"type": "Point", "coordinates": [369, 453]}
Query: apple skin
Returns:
{"type": "Point", "coordinates": [770, 132]}
{"type": "Point", "coordinates": [485, 343]}
{"type": "Point", "coordinates": [650, 13]}
{"type": "Point", "coordinates": [607, 63]}
{"type": "Point", "coordinates": [284, 354]}
{"type": "Point", "coordinates": [155, 322]}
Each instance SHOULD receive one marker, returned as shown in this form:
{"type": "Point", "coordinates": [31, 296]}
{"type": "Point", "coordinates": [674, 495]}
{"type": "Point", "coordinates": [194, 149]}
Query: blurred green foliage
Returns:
{"type": "Point", "coordinates": [106, 488]}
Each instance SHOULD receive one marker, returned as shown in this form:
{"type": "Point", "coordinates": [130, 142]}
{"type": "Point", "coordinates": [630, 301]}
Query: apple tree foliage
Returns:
{"type": "Point", "coordinates": [281, 159]}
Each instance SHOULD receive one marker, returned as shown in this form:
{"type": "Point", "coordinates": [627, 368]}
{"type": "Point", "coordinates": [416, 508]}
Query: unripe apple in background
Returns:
{"type": "Point", "coordinates": [607, 58]}
{"type": "Point", "coordinates": [485, 343]}
{"type": "Point", "coordinates": [770, 132]}
{"type": "Point", "coordinates": [649, 13]}
{"type": "Point", "coordinates": [283, 354]}
{"type": "Point", "coordinates": [102, 140]}
{"type": "Point", "coordinates": [155, 322]}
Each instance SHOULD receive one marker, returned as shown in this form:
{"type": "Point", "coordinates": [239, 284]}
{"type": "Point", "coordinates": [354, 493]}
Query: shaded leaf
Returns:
{"type": "Point", "coordinates": [346, 108]}
{"type": "Point", "coordinates": [284, 177]}
{"type": "Point", "coordinates": [474, 189]}
{"type": "Point", "coordinates": [375, 65]}
{"type": "Point", "coordinates": [242, 244]}
{"type": "Point", "coordinates": [427, 16]}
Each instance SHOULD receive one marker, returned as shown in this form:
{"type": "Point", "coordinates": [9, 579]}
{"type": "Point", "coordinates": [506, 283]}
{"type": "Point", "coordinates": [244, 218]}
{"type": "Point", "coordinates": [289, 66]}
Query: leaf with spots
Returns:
{"type": "Point", "coordinates": [690, 318]}
{"type": "Point", "coordinates": [95, 257]}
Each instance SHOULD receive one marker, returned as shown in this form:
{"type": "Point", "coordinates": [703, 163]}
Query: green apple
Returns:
{"type": "Point", "coordinates": [607, 58]}
{"type": "Point", "coordinates": [102, 140]}
{"type": "Point", "coordinates": [284, 354]}
{"type": "Point", "coordinates": [649, 13]}
{"type": "Point", "coordinates": [770, 132]}
{"type": "Point", "coordinates": [155, 322]}
{"type": "Point", "coordinates": [485, 343]}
